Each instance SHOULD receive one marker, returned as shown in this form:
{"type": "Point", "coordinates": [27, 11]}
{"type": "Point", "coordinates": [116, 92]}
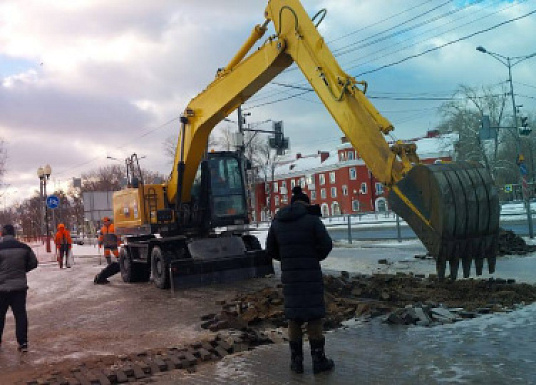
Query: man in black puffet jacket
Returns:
{"type": "Point", "coordinates": [299, 240]}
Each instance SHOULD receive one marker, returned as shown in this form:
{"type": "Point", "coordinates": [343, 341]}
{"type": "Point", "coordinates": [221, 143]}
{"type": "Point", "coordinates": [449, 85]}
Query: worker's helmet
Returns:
{"type": "Point", "coordinates": [106, 219]}
{"type": "Point", "coordinates": [61, 226]}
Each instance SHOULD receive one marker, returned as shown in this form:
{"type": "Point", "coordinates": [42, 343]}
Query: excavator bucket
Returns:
{"type": "Point", "coordinates": [219, 260]}
{"type": "Point", "coordinates": [454, 210]}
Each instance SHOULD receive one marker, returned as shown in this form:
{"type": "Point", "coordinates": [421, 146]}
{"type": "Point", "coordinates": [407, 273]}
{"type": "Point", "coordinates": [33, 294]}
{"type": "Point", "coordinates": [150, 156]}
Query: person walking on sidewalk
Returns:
{"type": "Point", "coordinates": [110, 241]}
{"type": "Point", "coordinates": [16, 259]}
{"type": "Point", "coordinates": [63, 243]}
{"type": "Point", "coordinates": [298, 239]}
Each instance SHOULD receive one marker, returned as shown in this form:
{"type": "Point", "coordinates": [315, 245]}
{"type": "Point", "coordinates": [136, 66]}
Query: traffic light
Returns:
{"type": "Point", "coordinates": [278, 141]}
{"type": "Point", "coordinates": [524, 129]}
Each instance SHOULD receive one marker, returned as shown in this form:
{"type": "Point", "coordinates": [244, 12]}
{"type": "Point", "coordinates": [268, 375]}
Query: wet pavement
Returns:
{"type": "Point", "coordinates": [72, 319]}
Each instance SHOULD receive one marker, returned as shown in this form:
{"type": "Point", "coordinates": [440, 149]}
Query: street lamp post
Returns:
{"type": "Point", "coordinates": [509, 62]}
{"type": "Point", "coordinates": [44, 174]}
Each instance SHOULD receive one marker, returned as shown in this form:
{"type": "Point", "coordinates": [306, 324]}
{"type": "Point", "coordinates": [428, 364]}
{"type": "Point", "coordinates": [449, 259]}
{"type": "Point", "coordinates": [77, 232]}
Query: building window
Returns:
{"type": "Point", "coordinates": [309, 179]}
{"type": "Point", "coordinates": [267, 201]}
{"type": "Point", "coordinates": [313, 195]}
{"type": "Point", "coordinates": [355, 205]}
{"type": "Point", "coordinates": [302, 182]}
{"type": "Point", "coordinates": [292, 183]}
{"type": "Point", "coordinates": [323, 193]}
{"type": "Point", "coordinates": [379, 188]}
{"type": "Point", "coordinates": [332, 177]}
{"type": "Point", "coordinates": [276, 199]}
{"type": "Point", "coordinates": [334, 192]}
{"type": "Point", "coordinates": [341, 157]}
{"type": "Point", "coordinates": [350, 155]}
{"type": "Point", "coordinates": [267, 188]}
{"type": "Point", "coordinates": [353, 173]}
{"type": "Point", "coordinates": [363, 188]}
{"type": "Point", "coordinates": [284, 198]}
{"type": "Point", "coordinates": [275, 187]}
{"type": "Point", "coordinates": [321, 179]}
{"type": "Point", "coordinates": [283, 184]}
{"type": "Point", "coordinates": [344, 190]}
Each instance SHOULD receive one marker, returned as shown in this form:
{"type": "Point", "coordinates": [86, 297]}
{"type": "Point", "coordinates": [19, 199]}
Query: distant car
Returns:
{"type": "Point", "coordinates": [77, 239]}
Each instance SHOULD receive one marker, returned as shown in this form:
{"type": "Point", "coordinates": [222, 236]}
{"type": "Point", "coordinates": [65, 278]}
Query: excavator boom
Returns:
{"type": "Point", "coordinates": [452, 208]}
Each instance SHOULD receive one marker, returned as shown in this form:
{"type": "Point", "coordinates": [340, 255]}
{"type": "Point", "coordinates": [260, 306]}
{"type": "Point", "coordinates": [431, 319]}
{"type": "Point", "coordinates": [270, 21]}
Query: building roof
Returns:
{"type": "Point", "coordinates": [292, 163]}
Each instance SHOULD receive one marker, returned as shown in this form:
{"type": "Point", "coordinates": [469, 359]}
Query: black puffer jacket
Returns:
{"type": "Point", "coordinates": [16, 259]}
{"type": "Point", "coordinates": [300, 241]}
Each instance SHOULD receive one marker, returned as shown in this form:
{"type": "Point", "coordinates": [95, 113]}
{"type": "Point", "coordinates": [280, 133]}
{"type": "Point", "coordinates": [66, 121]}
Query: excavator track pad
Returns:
{"type": "Point", "coordinates": [454, 210]}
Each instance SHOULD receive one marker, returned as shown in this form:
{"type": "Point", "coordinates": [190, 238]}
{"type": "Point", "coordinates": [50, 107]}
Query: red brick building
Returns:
{"type": "Point", "coordinates": [338, 180]}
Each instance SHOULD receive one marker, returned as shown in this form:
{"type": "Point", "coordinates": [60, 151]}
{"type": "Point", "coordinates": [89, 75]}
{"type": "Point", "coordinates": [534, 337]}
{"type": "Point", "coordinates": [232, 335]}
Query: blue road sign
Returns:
{"type": "Point", "coordinates": [523, 169]}
{"type": "Point", "coordinates": [53, 201]}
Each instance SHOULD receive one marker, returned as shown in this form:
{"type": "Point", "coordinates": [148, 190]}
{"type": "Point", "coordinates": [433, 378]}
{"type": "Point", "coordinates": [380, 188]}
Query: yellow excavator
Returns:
{"type": "Point", "coordinates": [193, 228]}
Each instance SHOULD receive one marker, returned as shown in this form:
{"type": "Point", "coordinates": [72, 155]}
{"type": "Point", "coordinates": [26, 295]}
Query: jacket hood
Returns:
{"type": "Point", "coordinates": [61, 226]}
{"type": "Point", "coordinates": [292, 212]}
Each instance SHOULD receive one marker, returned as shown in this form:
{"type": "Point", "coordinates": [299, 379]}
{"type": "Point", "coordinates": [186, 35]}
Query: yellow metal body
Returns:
{"type": "Point", "coordinates": [135, 208]}
{"type": "Point", "coordinates": [296, 40]}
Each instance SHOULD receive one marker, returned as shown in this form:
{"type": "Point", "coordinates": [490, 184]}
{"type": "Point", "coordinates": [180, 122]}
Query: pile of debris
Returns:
{"type": "Point", "coordinates": [401, 299]}
{"type": "Point", "coordinates": [510, 243]}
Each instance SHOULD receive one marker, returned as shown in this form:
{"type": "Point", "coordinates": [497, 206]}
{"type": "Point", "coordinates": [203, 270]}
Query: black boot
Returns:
{"type": "Point", "coordinates": [320, 362]}
{"type": "Point", "coordinates": [296, 356]}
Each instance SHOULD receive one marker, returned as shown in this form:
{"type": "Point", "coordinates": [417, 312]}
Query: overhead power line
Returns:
{"type": "Point", "coordinates": [447, 44]}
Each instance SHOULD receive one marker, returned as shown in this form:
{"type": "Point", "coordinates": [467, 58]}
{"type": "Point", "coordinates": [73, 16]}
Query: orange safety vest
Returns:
{"type": "Point", "coordinates": [108, 237]}
{"type": "Point", "coordinates": [63, 237]}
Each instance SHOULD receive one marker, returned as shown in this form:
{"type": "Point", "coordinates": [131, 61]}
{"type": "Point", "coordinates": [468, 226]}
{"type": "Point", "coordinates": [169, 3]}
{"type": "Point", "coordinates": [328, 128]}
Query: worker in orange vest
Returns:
{"type": "Point", "coordinates": [63, 243]}
{"type": "Point", "coordinates": [109, 240]}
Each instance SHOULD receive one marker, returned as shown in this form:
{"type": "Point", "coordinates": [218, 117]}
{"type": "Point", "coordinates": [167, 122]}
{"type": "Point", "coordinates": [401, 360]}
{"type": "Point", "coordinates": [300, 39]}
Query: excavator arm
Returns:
{"type": "Point", "coordinates": [452, 208]}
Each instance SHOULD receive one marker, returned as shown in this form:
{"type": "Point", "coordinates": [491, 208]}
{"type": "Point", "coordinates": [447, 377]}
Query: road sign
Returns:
{"type": "Point", "coordinates": [508, 188]}
{"type": "Point", "coordinates": [523, 169]}
{"type": "Point", "coordinates": [53, 201]}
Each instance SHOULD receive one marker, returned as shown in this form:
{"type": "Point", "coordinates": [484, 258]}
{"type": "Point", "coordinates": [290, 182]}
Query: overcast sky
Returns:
{"type": "Point", "coordinates": [81, 80]}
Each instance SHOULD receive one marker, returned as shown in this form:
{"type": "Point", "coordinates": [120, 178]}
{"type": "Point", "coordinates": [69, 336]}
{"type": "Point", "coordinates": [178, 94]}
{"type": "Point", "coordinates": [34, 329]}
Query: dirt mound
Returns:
{"type": "Point", "coordinates": [510, 243]}
{"type": "Point", "coordinates": [375, 295]}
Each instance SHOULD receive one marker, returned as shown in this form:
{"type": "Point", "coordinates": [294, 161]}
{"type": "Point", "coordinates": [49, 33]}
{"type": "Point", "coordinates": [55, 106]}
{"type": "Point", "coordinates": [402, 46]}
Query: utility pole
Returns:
{"type": "Point", "coordinates": [520, 161]}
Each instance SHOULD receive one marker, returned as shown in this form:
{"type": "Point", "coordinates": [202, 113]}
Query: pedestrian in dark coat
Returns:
{"type": "Point", "coordinates": [299, 239]}
{"type": "Point", "coordinates": [16, 259]}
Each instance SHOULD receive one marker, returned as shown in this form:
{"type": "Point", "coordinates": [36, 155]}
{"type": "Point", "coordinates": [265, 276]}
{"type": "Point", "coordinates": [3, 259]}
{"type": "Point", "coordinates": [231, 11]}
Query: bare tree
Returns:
{"type": "Point", "coordinates": [107, 178]}
{"type": "Point", "coordinates": [463, 115]}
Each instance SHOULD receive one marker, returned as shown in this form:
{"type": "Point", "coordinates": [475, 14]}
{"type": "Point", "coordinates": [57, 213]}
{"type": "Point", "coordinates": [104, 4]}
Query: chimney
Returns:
{"type": "Point", "coordinates": [298, 155]}
{"type": "Point", "coordinates": [323, 156]}
{"type": "Point", "coordinates": [344, 139]}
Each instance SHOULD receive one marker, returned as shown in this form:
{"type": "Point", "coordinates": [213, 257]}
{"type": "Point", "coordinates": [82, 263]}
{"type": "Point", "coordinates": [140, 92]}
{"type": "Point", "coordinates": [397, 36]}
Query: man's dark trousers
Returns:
{"type": "Point", "coordinates": [17, 301]}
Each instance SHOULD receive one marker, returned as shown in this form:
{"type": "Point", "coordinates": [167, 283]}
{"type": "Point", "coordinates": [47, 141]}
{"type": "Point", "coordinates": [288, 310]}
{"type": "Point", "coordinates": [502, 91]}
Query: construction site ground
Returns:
{"type": "Point", "coordinates": [76, 325]}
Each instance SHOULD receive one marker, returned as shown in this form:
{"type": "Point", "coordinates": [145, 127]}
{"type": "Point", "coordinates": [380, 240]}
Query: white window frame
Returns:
{"type": "Point", "coordinates": [292, 183]}
{"type": "Point", "coordinates": [344, 190]}
{"type": "Point", "coordinates": [334, 192]}
{"type": "Point", "coordinates": [353, 173]}
{"type": "Point", "coordinates": [355, 205]}
{"type": "Point", "coordinates": [276, 187]}
{"type": "Point", "coordinates": [364, 188]}
{"type": "Point", "coordinates": [351, 155]}
{"type": "Point", "coordinates": [276, 200]}
{"type": "Point", "coordinates": [332, 177]}
{"type": "Point", "coordinates": [323, 194]}
{"type": "Point", "coordinates": [321, 179]}
{"type": "Point", "coordinates": [313, 195]}
{"type": "Point", "coordinates": [379, 188]}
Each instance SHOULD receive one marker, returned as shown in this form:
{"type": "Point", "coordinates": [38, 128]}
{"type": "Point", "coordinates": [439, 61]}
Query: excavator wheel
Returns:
{"type": "Point", "coordinates": [159, 268]}
{"type": "Point", "coordinates": [454, 210]}
{"type": "Point", "coordinates": [130, 270]}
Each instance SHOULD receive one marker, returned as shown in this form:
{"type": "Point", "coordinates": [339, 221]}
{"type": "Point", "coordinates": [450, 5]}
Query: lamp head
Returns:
{"type": "Point", "coordinates": [481, 49]}
{"type": "Point", "coordinates": [48, 170]}
{"type": "Point", "coordinates": [40, 172]}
